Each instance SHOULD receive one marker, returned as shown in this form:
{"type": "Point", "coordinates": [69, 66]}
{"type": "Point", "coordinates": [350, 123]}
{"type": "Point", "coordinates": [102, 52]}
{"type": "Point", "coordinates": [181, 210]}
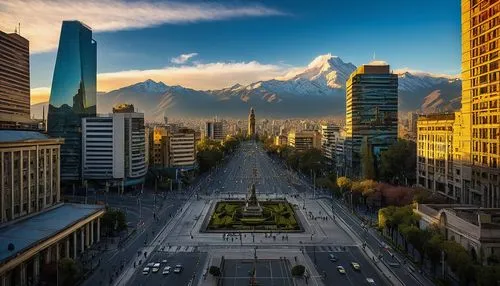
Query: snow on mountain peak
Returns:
{"type": "Point", "coordinates": [151, 86]}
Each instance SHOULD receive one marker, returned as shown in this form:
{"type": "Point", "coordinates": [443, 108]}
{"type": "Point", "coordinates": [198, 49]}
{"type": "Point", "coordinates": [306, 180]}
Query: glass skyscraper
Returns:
{"type": "Point", "coordinates": [73, 94]}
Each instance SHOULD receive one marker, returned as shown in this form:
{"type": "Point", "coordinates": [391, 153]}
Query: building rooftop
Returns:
{"type": "Point", "coordinates": [487, 217]}
{"type": "Point", "coordinates": [437, 116]}
{"type": "Point", "coordinates": [21, 135]}
{"type": "Point", "coordinates": [25, 233]}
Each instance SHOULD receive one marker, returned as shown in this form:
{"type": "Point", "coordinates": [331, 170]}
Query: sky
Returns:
{"type": "Point", "coordinates": [212, 44]}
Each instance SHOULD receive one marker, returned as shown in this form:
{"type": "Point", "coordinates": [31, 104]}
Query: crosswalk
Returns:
{"type": "Point", "coordinates": [329, 248]}
{"type": "Point", "coordinates": [178, 248]}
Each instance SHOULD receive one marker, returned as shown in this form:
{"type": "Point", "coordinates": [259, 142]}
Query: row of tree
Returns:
{"type": "Point", "coordinates": [210, 152]}
{"type": "Point", "coordinates": [432, 245]}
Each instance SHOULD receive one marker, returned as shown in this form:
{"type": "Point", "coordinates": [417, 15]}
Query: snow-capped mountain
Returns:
{"type": "Point", "coordinates": [317, 89]}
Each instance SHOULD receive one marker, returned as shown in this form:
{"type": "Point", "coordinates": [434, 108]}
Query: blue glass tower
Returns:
{"type": "Point", "coordinates": [73, 94]}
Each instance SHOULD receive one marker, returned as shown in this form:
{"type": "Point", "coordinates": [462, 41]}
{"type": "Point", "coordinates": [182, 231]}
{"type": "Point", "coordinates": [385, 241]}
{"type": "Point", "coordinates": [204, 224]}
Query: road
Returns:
{"type": "Point", "coordinates": [183, 239]}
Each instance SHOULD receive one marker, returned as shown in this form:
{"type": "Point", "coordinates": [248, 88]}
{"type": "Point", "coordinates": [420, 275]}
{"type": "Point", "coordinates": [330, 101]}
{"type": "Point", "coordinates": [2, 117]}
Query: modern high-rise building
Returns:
{"type": "Point", "coordinates": [480, 140]}
{"type": "Point", "coordinates": [73, 94]}
{"type": "Point", "coordinates": [214, 130]}
{"type": "Point", "coordinates": [251, 122]}
{"type": "Point", "coordinates": [15, 82]}
{"type": "Point", "coordinates": [114, 148]}
{"type": "Point", "coordinates": [371, 112]}
{"type": "Point", "coordinates": [179, 149]}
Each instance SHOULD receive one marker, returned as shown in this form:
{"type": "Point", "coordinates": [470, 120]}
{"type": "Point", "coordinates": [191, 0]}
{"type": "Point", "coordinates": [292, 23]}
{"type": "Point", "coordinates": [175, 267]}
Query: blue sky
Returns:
{"type": "Point", "coordinates": [280, 35]}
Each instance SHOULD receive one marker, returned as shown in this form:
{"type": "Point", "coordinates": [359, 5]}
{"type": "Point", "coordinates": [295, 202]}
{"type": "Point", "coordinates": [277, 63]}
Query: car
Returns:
{"type": "Point", "coordinates": [164, 261]}
{"type": "Point", "coordinates": [332, 257]}
{"type": "Point", "coordinates": [166, 270]}
{"type": "Point", "coordinates": [370, 281]}
{"type": "Point", "coordinates": [178, 268]}
{"type": "Point", "coordinates": [156, 267]}
{"type": "Point", "coordinates": [145, 271]}
{"type": "Point", "coordinates": [150, 264]}
{"type": "Point", "coordinates": [356, 266]}
{"type": "Point", "coordinates": [341, 269]}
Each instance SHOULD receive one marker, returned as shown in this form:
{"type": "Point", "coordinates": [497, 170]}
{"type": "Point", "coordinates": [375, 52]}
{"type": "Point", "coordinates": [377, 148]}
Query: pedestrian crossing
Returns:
{"type": "Point", "coordinates": [178, 248]}
{"type": "Point", "coordinates": [330, 248]}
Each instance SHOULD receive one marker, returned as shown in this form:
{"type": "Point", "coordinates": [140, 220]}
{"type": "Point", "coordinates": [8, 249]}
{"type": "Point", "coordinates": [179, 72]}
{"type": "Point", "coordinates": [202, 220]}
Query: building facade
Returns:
{"type": "Point", "coordinates": [371, 112]}
{"type": "Point", "coordinates": [304, 140]}
{"type": "Point", "coordinates": [214, 130]}
{"type": "Point", "coordinates": [280, 140]}
{"type": "Point", "coordinates": [114, 148]}
{"type": "Point", "coordinates": [29, 173]}
{"type": "Point", "coordinates": [251, 123]}
{"type": "Point", "coordinates": [73, 94]}
{"type": "Point", "coordinates": [179, 149]}
{"type": "Point", "coordinates": [435, 169]}
{"type": "Point", "coordinates": [329, 136]}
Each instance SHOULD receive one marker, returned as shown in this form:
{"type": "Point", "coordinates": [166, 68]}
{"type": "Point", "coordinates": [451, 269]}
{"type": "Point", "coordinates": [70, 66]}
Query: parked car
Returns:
{"type": "Point", "coordinates": [356, 266]}
{"type": "Point", "coordinates": [332, 257]}
{"type": "Point", "coordinates": [156, 267]}
{"type": "Point", "coordinates": [145, 271]}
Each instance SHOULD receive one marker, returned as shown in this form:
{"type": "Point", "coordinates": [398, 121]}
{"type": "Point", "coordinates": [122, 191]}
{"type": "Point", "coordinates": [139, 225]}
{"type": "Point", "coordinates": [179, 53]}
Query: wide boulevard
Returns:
{"type": "Point", "coordinates": [329, 230]}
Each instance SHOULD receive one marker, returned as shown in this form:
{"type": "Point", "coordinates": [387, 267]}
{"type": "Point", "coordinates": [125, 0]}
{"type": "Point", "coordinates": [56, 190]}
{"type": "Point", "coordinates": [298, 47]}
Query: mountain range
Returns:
{"type": "Point", "coordinates": [314, 91]}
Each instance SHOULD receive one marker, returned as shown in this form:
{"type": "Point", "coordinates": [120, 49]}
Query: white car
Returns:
{"type": "Point", "coordinates": [166, 270]}
{"type": "Point", "coordinates": [156, 267]}
{"type": "Point", "coordinates": [178, 268]}
{"type": "Point", "coordinates": [150, 264]}
{"type": "Point", "coordinates": [145, 271]}
{"type": "Point", "coordinates": [341, 269]}
{"type": "Point", "coordinates": [370, 281]}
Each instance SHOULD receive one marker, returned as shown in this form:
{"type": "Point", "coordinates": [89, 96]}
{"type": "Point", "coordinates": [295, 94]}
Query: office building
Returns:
{"type": "Point", "coordinates": [73, 95]}
{"type": "Point", "coordinates": [329, 137]}
{"type": "Point", "coordinates": [179, 149]}
{"type": "Point", "coordinates": [281, 140]}
{"type": "Point", "coordinates": [155, 145]}
{"type": "Point", "coordinates": [214, 130]}
{"type": "Point", "coordinates": [371, 112]}
{"type": "Point", "coordinates": [304, 140]}
{"type": "Point", "coordinates": [114, 148]}
{"type": "Point", "coordinates": [435, 169]}
{"type": "Point", "coordinates": [251, 123]}
{"type": "Point", "coordinates": [15, 83]}
{"type": "Point", "coordinates": [36, 227]}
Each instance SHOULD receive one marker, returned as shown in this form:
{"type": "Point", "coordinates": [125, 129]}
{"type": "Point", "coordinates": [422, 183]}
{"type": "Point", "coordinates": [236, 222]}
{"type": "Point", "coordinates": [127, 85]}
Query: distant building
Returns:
{"type": "Point", "coordinates": [114, 148]}
{"type": "Point", "coordinates": [179, 149]}
{"type": "Point", "coordinates": [73, 95]}
{"type": "Point", "coordinates": [281, 140]}
{"type": "Point", "coordinates": [340, 157]}
{"type": "Point", "coordinates": [304, 140]}
{"type": "Point", "coordinates": [123, 108]}
{"type": "Point", "coordinates": [15, 83]}
{"type": "Point", "coordinates": [251, 123]}
{"type": "Point", "coordinates": [371, 112]}
{"type": "Point", "coordinates": [329, 137]}
{"type": "Point", "coordinates": [214, 130]}
{"type": "Point", "coordinates": [156, 157]}
{"type": "Point", "coordinates": [36, 227]}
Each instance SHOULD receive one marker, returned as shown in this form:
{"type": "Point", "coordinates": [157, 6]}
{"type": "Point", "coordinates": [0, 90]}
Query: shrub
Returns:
{"type": "Point", "coordinates": [298, 270]}
{"type": "Point", "coordinates": [214, 270]}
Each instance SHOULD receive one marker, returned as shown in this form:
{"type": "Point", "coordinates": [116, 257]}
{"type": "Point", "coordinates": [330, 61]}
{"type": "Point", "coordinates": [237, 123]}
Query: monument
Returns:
{"type": "Point", "coordinates": [252, 207]}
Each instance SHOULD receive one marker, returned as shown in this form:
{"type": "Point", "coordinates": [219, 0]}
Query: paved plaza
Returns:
{"type": "Point", "coordinates": [328, 229]}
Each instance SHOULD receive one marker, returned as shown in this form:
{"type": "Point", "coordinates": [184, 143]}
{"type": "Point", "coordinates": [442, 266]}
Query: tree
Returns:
{"type": "Point", "coordinates": [368, 188]}
{"type": "Point", "coordinates": [69, 273]}
{"type": "Point", "coordinates": [367, 161]}
{"type": "Point", "coordinates": [298, 270]}
{"type": "Point", "coordinates": [214, 270]}
{"type": "Point", "coordinates": [397, 164]}
{"type": "Point", "coordinates": [113, 220]}
{"type": "Point", "coordinates": [344, 184]}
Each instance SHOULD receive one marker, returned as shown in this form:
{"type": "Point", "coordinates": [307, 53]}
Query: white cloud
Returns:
{"type": "Point", "coordinates": [199, 76]}
{"type": "Point", "coordinates": [41, 19]}
{"type": "Point", "coordinates": [39, 94]}
{"type": "Point", "coordinates": [183, 58]}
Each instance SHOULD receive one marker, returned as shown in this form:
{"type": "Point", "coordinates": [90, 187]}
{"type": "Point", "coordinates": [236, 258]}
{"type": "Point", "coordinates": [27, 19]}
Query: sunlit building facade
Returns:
{"type": "Point", "coordinates": [304, 140]}
{"type": "Point", "coordinates": [480, 142]}
{"type": "Point", "coordinates": [251, 123]}
{"type": "Point", "coordinates": [73, 94]}
{"type": "Point", "coordinates": [371, 112]}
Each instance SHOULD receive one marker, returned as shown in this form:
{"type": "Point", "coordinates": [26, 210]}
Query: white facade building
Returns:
{"type": "Point", "coordinates": [114, 148]}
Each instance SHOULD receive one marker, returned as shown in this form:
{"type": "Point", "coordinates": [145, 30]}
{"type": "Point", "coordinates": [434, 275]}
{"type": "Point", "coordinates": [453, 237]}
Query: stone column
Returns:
{"type": "Point", "coordinates": [91, 232]}
{"type": "Point", "coordinates": [22, 274]}
{"type": "Point", "coordinates": [66, 252]}
{"type": "Point", "coordinates": [48, 255]}
{"type": "Point", "coordinates": [82, 240]}
{"type": "Point", "coordinates": [36, 269]}
{"type": "Point", "coordinates": [87, 235]}
{"type": "Point", "coordinates": [58, 251]}
{"type": "Point", "coordinates": [74, 244]}
{"type": "Point", "coordinates": [3, 279]}
{"type": "Point", "coordinates": [98, 229]}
